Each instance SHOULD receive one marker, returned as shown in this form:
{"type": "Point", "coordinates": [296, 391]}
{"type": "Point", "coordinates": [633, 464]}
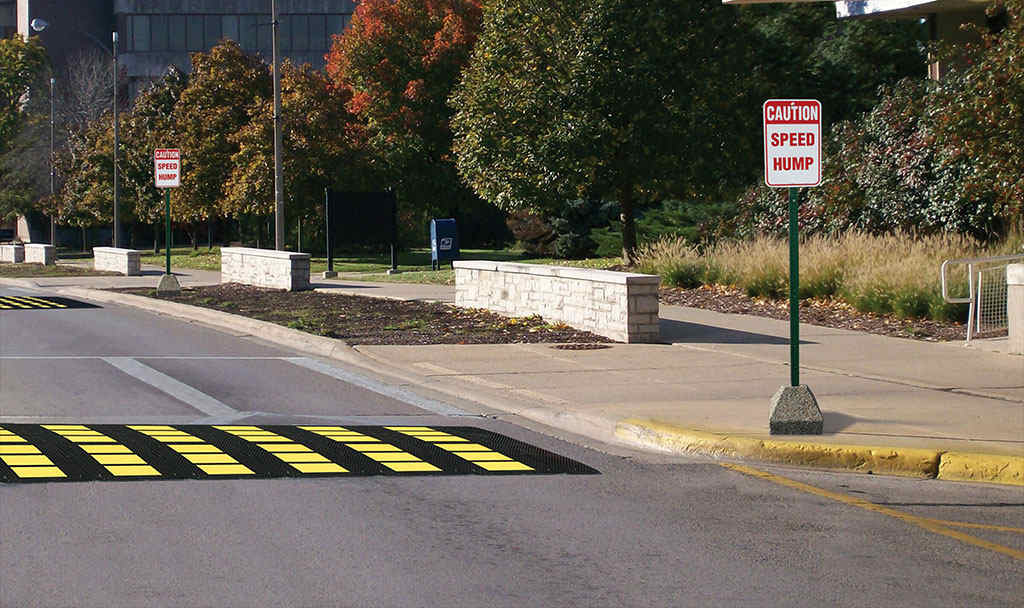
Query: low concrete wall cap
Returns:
{"type": "Point", "coordinates": [568, 272]}
{"type": "Point", "coordinates": [265, 253]}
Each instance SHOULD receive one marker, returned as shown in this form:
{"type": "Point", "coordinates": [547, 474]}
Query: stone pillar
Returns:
{"type": "Point", "coordinates": [12, 254]}
{"type": "Point", "coordinates": [36, 253]}
{"type": "Point", "coordinates": [1015, 307]}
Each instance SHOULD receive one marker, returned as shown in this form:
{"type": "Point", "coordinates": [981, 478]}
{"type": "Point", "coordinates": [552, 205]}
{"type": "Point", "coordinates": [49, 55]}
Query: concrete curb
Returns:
{"type": "Point", "coordinates": [900, 461]}
{"type": "Point", "coordinates": [906, 462]}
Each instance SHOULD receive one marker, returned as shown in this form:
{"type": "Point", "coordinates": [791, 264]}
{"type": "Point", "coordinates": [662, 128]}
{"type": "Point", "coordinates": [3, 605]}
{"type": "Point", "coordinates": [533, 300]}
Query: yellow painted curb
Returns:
{"type": "Point", "coordinates": [907, 462]}
{"type": "Point", "coordinates": [992, 468]}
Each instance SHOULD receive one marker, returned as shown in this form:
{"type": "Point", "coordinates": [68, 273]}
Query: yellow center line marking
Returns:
{"type": "Point", "coordinates": [215, 461]}
{"type": "Point", "coordinates": [390, 456]}
{"type": "Point", "coordinates": [964, 524]}
{"type": "Point", "coordinates": [927, 523]}
{"type": "Point", "coordinates": [480, 455]}
{"type": "Point", "coordinates": [300, 457]}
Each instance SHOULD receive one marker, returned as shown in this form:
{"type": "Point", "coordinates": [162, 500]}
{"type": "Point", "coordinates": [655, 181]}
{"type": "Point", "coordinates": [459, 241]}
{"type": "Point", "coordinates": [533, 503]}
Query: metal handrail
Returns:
{"type": "Point", "coordinates": [970, 282]}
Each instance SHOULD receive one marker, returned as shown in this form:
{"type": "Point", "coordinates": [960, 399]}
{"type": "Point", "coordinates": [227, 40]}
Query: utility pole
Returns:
{"type": "Point", "coordinates": [278, 179]}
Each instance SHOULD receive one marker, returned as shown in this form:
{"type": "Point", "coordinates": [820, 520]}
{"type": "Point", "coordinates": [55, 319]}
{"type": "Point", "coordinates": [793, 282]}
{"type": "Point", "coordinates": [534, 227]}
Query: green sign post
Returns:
{"type": "Point", "coordinates": [792, 159]}
{"type": "Point", "coordinates": [167, 175]}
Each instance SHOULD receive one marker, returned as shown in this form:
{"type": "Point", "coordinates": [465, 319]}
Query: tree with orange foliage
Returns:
{"type": "Point", "coordinates": [401, 59]}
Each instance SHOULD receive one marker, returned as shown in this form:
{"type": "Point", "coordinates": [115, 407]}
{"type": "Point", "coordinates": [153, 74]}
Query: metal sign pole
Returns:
{"type": "Point", "coordinates": [167, 221]}
{"type": "Point", "coordinates": [794, 290]}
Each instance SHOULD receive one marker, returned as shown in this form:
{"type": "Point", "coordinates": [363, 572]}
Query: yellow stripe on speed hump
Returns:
{"type": "Point", "coordinates": [107, 452]}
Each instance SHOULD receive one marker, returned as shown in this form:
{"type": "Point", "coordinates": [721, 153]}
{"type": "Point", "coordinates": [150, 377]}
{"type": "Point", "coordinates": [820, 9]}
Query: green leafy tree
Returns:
{"type": "Point", "coordinates": [22, 64]}
{"type": "Point", "coordinates": [804, 51]}
{"type": "Point", "coordinates": [225, 86]}
{"type": "Point", "coordinates": [148, 126]}
{"type": "Point", "coordinates": [605, 99]}
{"type": "Point", "coordinates": [323, 147]}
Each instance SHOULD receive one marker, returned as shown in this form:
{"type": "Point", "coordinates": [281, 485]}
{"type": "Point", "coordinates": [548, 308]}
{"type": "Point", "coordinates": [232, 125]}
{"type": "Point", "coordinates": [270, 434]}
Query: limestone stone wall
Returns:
{"type": "Point", "coordinates": [1015, 306]}
{"type": "Point", "coordinates": [117, 259]}
{"type": "Point", "coordinates": [618, 305]}
{"type": "Point", "coordinates": [36, 253]}
{"type": "Point", "coordinates": [12, 253]}
{"type": "Point", "coordinates": [264, 268]}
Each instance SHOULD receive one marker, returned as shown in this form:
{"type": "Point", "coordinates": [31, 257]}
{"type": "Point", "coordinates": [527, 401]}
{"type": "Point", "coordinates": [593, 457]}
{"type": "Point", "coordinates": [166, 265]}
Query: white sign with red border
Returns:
{"type": "Point", "coordinates": [167, 168]}
{"type": "Point", "coordinates": [792, 142]}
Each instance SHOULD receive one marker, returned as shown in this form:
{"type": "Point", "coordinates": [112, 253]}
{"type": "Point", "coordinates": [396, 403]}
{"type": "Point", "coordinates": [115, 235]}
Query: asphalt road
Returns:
{"type": "Point", "coordinates": [649, 530]}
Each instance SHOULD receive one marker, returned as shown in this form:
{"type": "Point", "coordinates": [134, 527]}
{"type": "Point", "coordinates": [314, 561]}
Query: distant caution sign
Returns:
{"type": "Point", "coordinates": [167, 168]}
{"type": "Point", "coordinates": [792, 142]}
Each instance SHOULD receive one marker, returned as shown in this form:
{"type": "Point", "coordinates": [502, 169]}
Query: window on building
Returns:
{"type": "Point", "coordinates": [317, 33]}
{"type": "Point", "coordinates": [248, 30]}
{"type": "Point", "coordinates": [140, 40]}
{"type": "Point", "coordinates": [195, 33]}
{"type": "Point", "coordinates": [158, 26]}
{"type": "Point", "coordinates": [264, 38]}
{"type": "Point", "coordinates": [284, 32]}
{"type": "Point", "coordinates": [229, 27]}
{"type": "Point", "coordinates": [300, 33]}
{"type": "Point", "coordinates": [212, 31]}
{"type": "Point", "coordinates": [177, 40]}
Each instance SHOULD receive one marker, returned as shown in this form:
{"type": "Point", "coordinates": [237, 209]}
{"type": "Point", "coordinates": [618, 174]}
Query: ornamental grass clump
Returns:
{"type": "Point", "coordinates": [677, 262]}
{"type": "Point", "coordinates": [895, 274]}
{"type": "Point", "coordinates": [759, 267]}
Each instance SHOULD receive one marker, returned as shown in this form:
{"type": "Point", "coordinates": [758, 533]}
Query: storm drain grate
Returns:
{"type": "Point", "coordinates": [582, 346]}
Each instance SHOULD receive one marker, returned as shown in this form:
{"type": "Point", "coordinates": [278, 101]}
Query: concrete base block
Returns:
{"type": "Point", "coordinates": [168, 284]}
{"type": "Point", "coordinates": [329, 274]}
{"type": "Point", "coordinates": [795, 412]}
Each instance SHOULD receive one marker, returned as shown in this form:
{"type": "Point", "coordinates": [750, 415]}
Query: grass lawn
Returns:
{"type": "Point", "coordinates": [39, 270]}
{"type": "Point", "coordinates": [414, 265]}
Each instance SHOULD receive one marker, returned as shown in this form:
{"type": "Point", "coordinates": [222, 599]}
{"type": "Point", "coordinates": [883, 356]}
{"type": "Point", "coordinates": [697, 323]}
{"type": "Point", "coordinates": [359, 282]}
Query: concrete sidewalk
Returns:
{"type": "Point", "coordinates": [890, 405]}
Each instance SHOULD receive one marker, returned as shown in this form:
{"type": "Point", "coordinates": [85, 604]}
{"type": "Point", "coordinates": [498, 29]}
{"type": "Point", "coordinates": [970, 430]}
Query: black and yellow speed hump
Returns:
{"type": "Point", "coordinates": [34, 303]}
{"type": "Point", "coordinates": [105, 452]}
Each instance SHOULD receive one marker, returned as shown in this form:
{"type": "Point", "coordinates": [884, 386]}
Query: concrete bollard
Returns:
{"type": "Point", "coordinates": [1015, 307]}
{"type": "Point", "coordinates": [38, 253]}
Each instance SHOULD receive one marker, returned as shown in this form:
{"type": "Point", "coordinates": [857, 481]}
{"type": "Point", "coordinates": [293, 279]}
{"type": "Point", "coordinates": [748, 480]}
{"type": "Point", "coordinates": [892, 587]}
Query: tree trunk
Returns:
{"type": "Point", "coordinates": [195, 237]}
{"type": "Point", "coordinates": [156, 238]}
{"type": "Point", "coordinates": [209, 234]}
{"type": "Point", "coordinates": [628, 227]}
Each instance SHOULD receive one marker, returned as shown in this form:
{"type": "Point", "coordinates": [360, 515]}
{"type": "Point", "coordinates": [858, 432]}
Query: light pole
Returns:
{"type": "Point", "coordinates": [53, 199]}
{"type": "Point", "coordinates": [278, 179]}
{"type": "Point", "coordinates": [117, 140]}
{"type": "Point", "coordinates": [40, 25]}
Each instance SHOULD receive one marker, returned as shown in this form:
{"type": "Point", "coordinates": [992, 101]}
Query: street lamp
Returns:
{"type": "Point", "coordinates": [53, 198]}
{"type": "Point", "coordinates": [39, 25]}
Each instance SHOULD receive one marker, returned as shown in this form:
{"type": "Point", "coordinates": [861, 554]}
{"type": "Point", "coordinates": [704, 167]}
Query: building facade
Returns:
{"type": "Point", "coordinates": [154, 34]}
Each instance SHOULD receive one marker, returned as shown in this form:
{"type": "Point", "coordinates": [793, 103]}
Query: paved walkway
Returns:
{"type": "Point", "coordinates": [890, 405]}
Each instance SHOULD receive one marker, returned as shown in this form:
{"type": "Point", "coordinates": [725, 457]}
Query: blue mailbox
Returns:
{"type": "Point", "coordinates": [444, 242]}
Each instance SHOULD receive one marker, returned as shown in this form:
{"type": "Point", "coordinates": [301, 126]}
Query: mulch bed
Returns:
{"type": "Point", "coordinates": [365, 320]}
